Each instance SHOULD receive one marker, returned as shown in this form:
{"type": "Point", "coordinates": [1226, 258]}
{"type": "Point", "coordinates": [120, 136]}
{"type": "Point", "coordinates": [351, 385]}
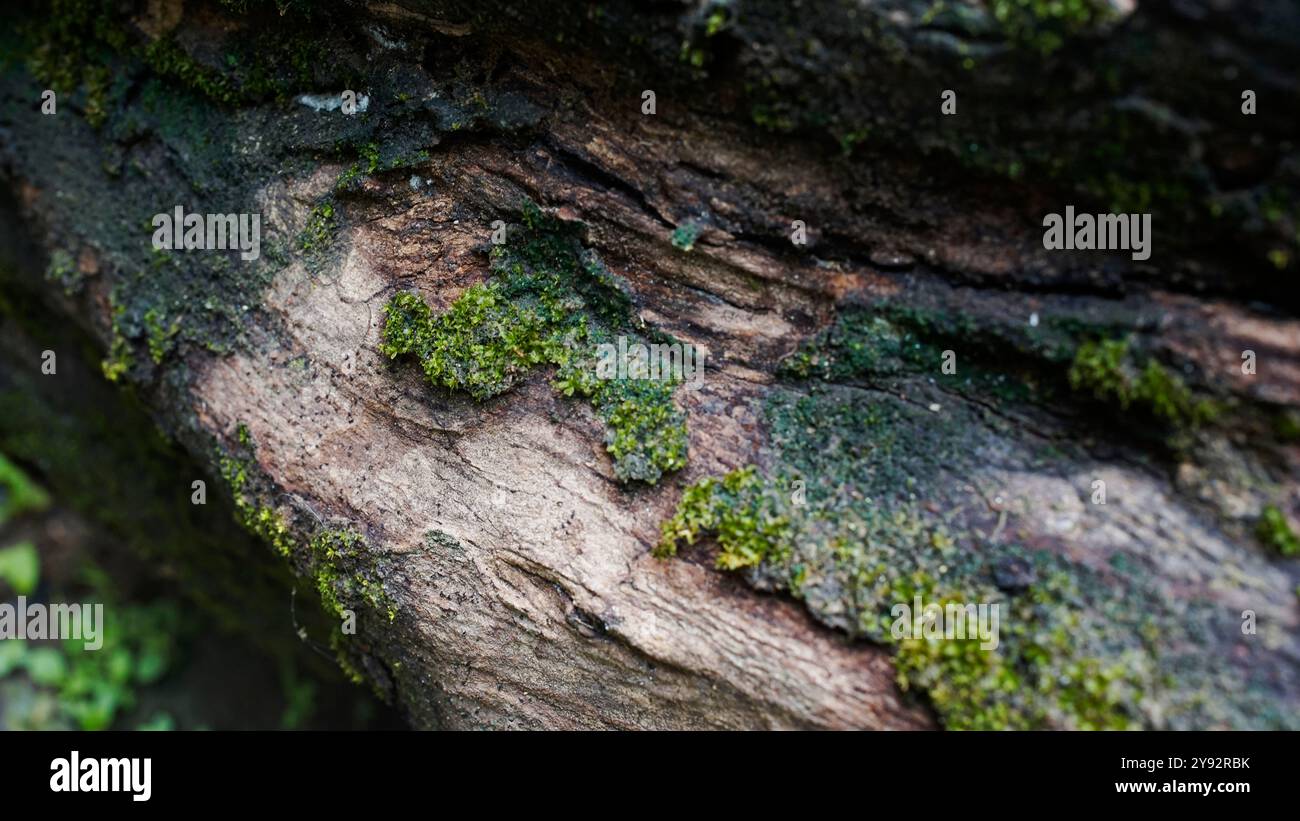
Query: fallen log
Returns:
{"type": "Point", "coordinates": [907, 395]}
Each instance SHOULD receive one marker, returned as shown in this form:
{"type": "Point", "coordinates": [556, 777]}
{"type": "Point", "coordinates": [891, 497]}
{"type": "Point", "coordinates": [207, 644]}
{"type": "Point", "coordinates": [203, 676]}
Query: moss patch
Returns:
{"type": "Point", "coordinates": [857, 509]}
{"type": "Point", "coordinates": [1274, 531]}
{"type": "Point", "coordinates": [550, 302]}
{"type": "Point", "coordinates": [346, 574]}
{"type": "Point", "coordinates": [1108, 372]}
{"type": "Point", "coordinates": [258, 518]}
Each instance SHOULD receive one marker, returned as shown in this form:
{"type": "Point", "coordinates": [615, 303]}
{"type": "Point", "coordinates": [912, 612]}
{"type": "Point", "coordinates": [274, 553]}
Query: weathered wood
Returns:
{"type": "Point", "coordinates": [518, 566]}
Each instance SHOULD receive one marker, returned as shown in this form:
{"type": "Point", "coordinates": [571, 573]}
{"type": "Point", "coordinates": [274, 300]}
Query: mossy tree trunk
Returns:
{"type": "Point", "coordinates": [492, 526]}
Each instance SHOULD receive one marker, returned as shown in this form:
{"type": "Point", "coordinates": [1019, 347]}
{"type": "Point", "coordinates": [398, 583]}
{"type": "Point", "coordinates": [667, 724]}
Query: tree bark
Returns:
{"type": "Point", "coordinates": [517, 565]}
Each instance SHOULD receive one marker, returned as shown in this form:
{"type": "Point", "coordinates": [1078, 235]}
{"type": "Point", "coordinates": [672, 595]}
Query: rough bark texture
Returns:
{"type": "Point", "coordinates": [516, 565]}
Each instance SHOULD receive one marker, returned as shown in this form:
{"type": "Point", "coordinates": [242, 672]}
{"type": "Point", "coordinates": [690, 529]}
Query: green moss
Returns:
{"type": "Point", "coordinates": [262, 520]}
{"type": "Point", "coordinates": [159, 334]}
{"type": "Point", "coordinates": [857, 512]}
{"type": "Point", "coordinates": [321, 226]}
{"type": "Point", "coordinates": [1108, 372]}
{"type": "Point", "coordinates": [76, 41]}
{"type": "Point", "coordinates": [63, 271]}
{"type": "Point", "coordinates": [169, 60]}
{"type": "Point", "coordinates": [317, 238]}
{"type": "Point", "coordinates": [374, 158]}
{"type": "Point", "coordinates": [746, 522]}
{"type": "Point", "coordinates": [894, 341]}
{"type": "Point", "coordinates": [549, 303]}
{"type": "Point", "coordinates": [685, 235]}
{"type": "Point", "coordinates": [1286, 424]}
{"type": "Point", "coordinates": [1274, 531]}
{"type": "Point", "coordinates": [346, 576]}
{"type": "Point", "coordinates": [1045, 26]}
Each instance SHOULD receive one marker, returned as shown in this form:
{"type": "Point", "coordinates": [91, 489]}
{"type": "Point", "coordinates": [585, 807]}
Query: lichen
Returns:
{"type": "Point", "coordinates": [550, 302]}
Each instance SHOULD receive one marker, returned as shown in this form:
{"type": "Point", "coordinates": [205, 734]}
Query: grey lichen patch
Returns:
{"type": "Point", "coordinates": [550, 302]}
{"type": "Point", "coordinates": [862, 506]}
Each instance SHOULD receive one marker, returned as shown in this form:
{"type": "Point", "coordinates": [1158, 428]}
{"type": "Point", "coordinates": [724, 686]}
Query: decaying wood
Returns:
{"type": "Point", "coordinates": [539, 605]}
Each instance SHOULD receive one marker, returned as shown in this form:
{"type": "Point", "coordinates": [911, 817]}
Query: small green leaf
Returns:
{"type": "Point", "coordinates": [46, 666]}
{"type": "Point", "coordinates": [20, 566]}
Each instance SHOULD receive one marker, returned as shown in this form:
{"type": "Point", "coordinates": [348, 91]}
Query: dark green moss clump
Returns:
{"type": "Point", "coordinates": [550, 302]}
{"type": "Point", "coordinates": [685, 235]}
{"type": "Point", "coordinates": [874, 346]}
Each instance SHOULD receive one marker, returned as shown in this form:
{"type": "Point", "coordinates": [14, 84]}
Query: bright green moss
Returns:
{"type": "Point", "coordinates": [1107, 371]}
{"type": "Point", "coordinates": [345, 575]}
{"type": "Point", "coordinates": [321, 225]}
{"type": "Point", "coordinates": [259, 519]}
{"type": "Point", "coordinates": [1274, 531]}
{"type": "Point", "coordinates": [746, 522]}
{"type": "Point", "coordinates": [548, 303]}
